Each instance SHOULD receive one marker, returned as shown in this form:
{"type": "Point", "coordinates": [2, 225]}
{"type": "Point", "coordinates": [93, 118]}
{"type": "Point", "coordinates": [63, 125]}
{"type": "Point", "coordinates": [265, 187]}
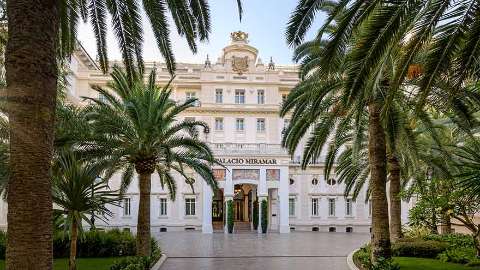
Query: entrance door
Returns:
{"type": "Point", "coordinates": [239, 210]}
{"type": "Point", "coordinates": [217, 210]}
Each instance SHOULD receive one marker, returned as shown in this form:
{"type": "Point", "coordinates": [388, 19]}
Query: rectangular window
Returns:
{"type": "Point", "coordinates": [240, 124]}
{"type": "Point", "coordinates": [192, 95]}
{"type": "Point", "coordinates": [260, 125]}
{"type": "Point", "coordinates": [190, 207]}
{"type": "Point", "coordinates": [219, 124]}
{"type": "Point", "coordinates": [348, 207]}
{"type": "Point", "coordinates": [218, 96]}
{"type": "Point", "coordinates": [315, 206]}
{"type": "Point", "coordinates": [240, 96]}
{"type": "Point", "coordinates": [291, 207]}
{"type": "Point", "coordinates": [331, 207]}
{"type": "Point", "coordinates": [261, 96]}
{"type": "Point", "coordinates": [126, 207]}
{"type": "Point", "coordinates": [163, 206]}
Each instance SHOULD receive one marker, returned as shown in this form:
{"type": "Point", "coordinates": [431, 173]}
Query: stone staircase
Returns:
{"type": "Point", "coordinates": [242, 226]}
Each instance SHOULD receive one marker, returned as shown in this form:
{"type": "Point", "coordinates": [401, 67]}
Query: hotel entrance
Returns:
{"type": "Point", "coordinates": [244, 196]}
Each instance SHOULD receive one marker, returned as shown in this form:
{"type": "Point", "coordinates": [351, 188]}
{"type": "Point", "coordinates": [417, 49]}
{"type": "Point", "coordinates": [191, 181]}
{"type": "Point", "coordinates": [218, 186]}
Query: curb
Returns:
{"type": "Point", "coordinates": [160, 262]}
{"type": "Point", "coordinates": [350, 263]}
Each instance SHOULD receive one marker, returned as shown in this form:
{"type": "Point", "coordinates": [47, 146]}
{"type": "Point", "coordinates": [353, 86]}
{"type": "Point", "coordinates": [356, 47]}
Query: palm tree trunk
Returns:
{"type": "Point", "coordinates": [143, 224]}
{"type": "Point", "coordinates": [395, 201]}
{"type": "Point", "coordinates": [446, 227]}
{"type": "Point", "coordinates": [72, 263]}
{"type": "Point", "coordinates": [31, 75]}
{"type": "Point", "coordinates": [380, 239]}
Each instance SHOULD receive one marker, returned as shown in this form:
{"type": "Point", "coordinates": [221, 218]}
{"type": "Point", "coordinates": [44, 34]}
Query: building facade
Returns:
{"type": "Point", "coordinates": [239, 97]}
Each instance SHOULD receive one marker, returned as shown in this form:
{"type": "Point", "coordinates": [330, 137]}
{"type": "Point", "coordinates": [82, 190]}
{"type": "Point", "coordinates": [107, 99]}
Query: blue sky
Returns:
{"type": "Point", "coordinates": [264, 20]}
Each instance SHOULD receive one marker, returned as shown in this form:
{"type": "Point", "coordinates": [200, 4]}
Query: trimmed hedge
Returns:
{"type": "Point", "coordinates": [264, 216]}
{"type": "Point", "coordinates": [111, 243]}
{"type": "Point", "coordinates": [255, 215]}
{"type": "Point", "coordinates": [418, 248]}
{"type": "Point", "coordinates": [230, 216]}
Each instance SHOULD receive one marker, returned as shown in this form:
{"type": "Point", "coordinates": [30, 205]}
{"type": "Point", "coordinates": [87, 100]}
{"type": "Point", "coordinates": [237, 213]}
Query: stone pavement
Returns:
{"type": "Point", "coordinates": [274, 251]}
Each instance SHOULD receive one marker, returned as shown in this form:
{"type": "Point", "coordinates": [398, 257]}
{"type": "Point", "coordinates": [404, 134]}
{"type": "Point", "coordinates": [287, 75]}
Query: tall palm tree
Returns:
{"type": "Point", "coordinates": [78, 191]}
{"type": "Point", "coordinates": [138, 130]}
{"type": "Point", "coordinates": [363, 35]}
{"type": "Point", "coordinates": [40, 31]}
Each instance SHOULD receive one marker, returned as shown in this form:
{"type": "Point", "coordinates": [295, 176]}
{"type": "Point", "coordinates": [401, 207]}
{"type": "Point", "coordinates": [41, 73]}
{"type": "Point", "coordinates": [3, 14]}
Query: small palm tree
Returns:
{"type": "Point", "coordinates": [77, 191]}
{"type": "Point", "coordinates": [138, 131]}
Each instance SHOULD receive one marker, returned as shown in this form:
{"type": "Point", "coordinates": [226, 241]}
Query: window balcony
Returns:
{"type": "Point", "coordinates": [247, 148]}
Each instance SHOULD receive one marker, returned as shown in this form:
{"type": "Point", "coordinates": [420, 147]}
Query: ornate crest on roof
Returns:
{"type": "Point", "coordinates": [240, 64]}
{"type": "Point", "coordinates": [239, 36]}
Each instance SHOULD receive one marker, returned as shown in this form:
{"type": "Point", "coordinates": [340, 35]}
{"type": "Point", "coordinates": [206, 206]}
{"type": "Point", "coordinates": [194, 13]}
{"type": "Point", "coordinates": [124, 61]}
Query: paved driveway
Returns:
{"type": "Point", "coordinates": [297, 250]}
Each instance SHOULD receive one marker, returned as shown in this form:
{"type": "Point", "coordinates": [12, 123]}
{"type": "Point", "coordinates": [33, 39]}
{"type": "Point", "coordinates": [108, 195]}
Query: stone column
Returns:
{"type": "Point", "coordinates": [283, 195]}
{"type": "Point", "coordinates": [262, 194]}
{"type": "Point", "coordinates": [227, 194]}
{"type": "Point", "coordinates": [207, 209]}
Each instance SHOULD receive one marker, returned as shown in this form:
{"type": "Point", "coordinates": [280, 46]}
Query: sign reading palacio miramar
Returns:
{"type": "Point", "coordinates": [247, 161]}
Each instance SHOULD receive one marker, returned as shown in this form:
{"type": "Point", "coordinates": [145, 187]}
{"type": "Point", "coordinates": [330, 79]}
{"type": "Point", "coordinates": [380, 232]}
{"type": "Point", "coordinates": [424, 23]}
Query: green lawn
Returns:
{"type": "Point", "coordinates": [82, 264]}
{"type": "Point", "coordinates": [409, 263]}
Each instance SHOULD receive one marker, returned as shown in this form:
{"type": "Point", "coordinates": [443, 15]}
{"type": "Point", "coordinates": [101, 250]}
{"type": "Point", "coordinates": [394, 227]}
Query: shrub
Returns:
{"type": "Point", "coordinates": [461, 255]}
{"type": "Point", "coordinates": [410, 247]}
{"type": "Point", "coordinates": [255, 215]}
{"type": "Point", "coordinates": [417, 232]}
{"type": "Point", "coordinates": [133, 263]}
{"type": "Point", "coordinates": [230, 216]}
{"type": "Point", "coordinates": [264, 216]}
{"type": "Point", "coordinates": [138, 263]}
{"type": "Point", "coordinates": [362, 259]}
{"type": "Point", "coordinates": [454, 239]}
{"type": "Point", "coordinates": [111, 243]}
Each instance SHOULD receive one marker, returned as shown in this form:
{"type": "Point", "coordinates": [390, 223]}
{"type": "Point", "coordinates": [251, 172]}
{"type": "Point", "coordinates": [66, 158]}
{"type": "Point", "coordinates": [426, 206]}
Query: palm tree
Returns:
{"type": "Point", "coordinates": [38, 33]}
{"type": "Point", "coordinates": [326, 100]}
{"type": "Point", "coordinates": [363, 37]}
{"type": "Point", "coordinates": [138, 131]}
{"type": "Point", "coordinates": [78, 191]}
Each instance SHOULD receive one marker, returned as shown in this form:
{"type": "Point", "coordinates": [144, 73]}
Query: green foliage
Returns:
{"type": "Point", "coordinates": [134, 263]}
{"type": "Point", "coordinates": [78, 190]}
{"type": "Point", "coordinates": [418, 248]}
{"type": "Point", "coordinates": [461, 255]}
{"type": "Point", "coordinates": [230, 217]}
{"type": "Point", "coordinates": [264, 216]}
{"type": "Point", "coordinates": [454, 240]}
{"type": "Point", "coordinates": [417, 231]}
{"type": "Point", "coordinates": [410, 263]}
{"type": "Point", "coordinates": [362, 258]}
{"type": "Point", "coordinates": [111, 243]}
{"type": "Point", "coordinates": [255, 215]}
{"type": "Point", "coordinates": [138, 123]}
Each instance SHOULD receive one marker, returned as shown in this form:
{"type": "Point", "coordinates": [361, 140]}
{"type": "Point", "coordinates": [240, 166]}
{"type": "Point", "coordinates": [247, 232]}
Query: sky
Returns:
{"type": "Point", "coordinates": [264, 20]}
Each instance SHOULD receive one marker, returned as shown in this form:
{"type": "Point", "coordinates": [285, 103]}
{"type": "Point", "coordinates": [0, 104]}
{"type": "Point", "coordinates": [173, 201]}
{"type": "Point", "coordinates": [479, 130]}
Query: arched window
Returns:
{"type": "Point", "coordinates": [292, 181]}
{"type": "Point", "coordinates": [314, 181]}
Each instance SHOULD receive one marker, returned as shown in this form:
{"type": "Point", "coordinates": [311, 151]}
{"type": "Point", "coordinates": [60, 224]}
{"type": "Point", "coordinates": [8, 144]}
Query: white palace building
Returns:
{"type": "Point", "coordinates": [239, 98]}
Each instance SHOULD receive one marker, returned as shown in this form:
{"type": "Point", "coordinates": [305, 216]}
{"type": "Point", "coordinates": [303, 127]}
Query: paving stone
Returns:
{"type": "Point", "coordinates": [274, 251]}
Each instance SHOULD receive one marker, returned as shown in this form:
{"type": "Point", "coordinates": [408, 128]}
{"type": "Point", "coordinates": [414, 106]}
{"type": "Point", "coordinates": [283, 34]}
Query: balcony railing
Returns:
{"type": "Point", "coordinates": [248, 148]}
